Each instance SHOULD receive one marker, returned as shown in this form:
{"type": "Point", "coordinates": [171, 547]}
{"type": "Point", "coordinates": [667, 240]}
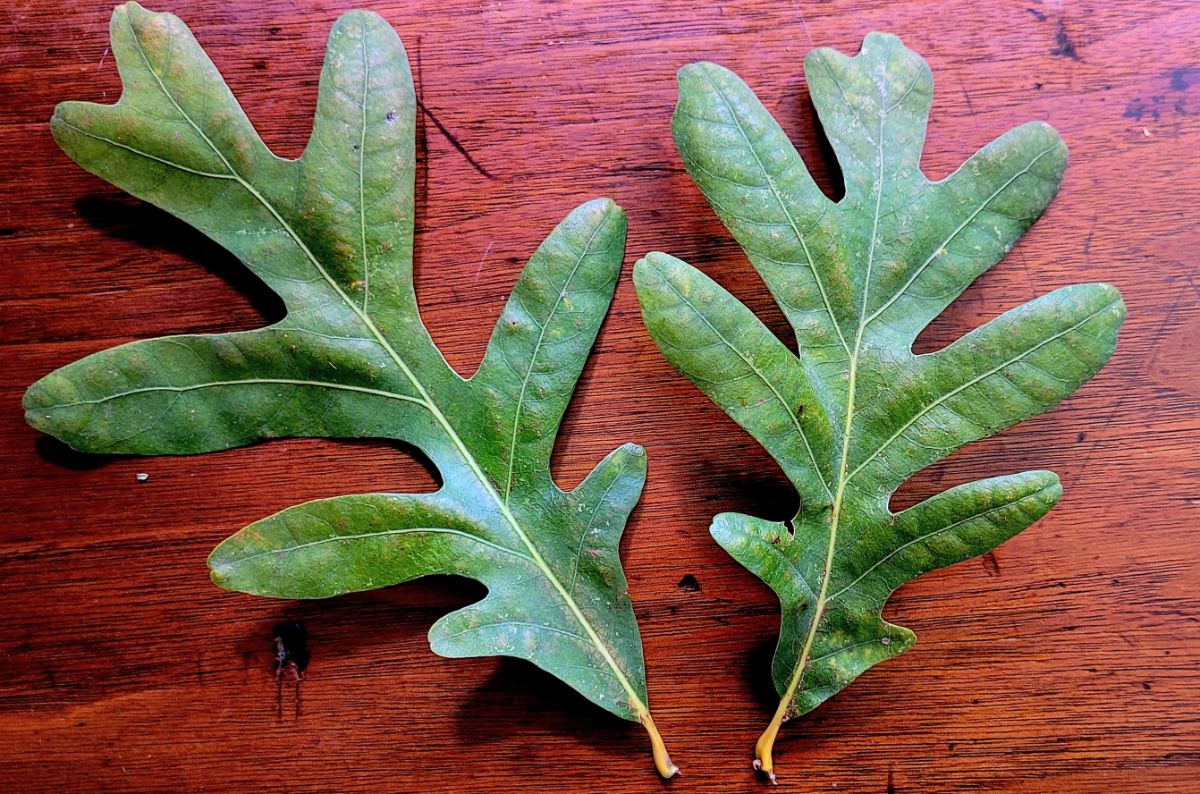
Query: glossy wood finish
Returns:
{"type": "Point", "coordinates": [1066, 661]}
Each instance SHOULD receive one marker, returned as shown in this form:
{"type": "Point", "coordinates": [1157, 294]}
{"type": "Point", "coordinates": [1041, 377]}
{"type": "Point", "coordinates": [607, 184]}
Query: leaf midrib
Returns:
{"type": "Point", "coordinates": [786, 212]}
{"type": "Point", "coordinates": [940, 530]}
{"type": "Point", "coordinates": [847, 426]}
{"type": "Point", "coordinates": [383, 533]}
{"type": "Point", "coordinates": [864, 321]}
{"type": "Point", "coordinates": [512, 447]}
{"type": "Point", "coordinates": [362, 155]}
{"type": "Point", "coordinates": [635, 699]}
{"type": "Point", "coordinates": [240, 382]}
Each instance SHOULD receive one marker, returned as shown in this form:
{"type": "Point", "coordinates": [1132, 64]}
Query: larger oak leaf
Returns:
{"type": "Point", "coordinates": [856, 413]}
{"type": "Point", "coordinates": [331, 233]}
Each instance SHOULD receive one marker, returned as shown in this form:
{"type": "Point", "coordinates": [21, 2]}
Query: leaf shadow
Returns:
{"type": "Point", "coordinates": [798, 116]}
{"type": "Point", "coordinates": [360, 626]}
{"type": "Point", "coordinates": [368, 625]}
{"type": "Point", "coordinates": [130, 220]}
{"type": "Point", "coordinates": [55, 452]}
{"type": "Point", "coordinates": [517, 688]}
{"type": "Point", "coordinates": [402, 449]}
{"type": "Point", "coordinates": [751, 482]}
{"type": "Point", "coordinates": [756, 673]}
{"type": "Point", "coordinates": [125, 218]}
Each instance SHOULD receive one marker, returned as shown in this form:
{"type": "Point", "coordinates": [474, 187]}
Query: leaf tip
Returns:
{"type": "Point", "coordinates": [640, 274]}
{"type": "Point", "coordinates": [899, 639]}
{"type": "Point", "coordinates": [1053, 491]}
{"type": "Point", "coordinates": [1042, 490]}
{"type": "Point", "coordinates": [365, 20]}
{"type": "Point", "coordinates": [121, 10]}
{"type": "Point", "coordinates": [720, 528]}
{"type": "Point", "coordinates": [651, 275]}
{"type": "Point", "coordinates": [57, 118]}
{"type": "Point", "coordinates": [220, 565]}
{"type": "Point", "coordinates": [133, 13]}
{"type": "Point", "coordinates": [878, 39]}
{"type": "Point", "coordinates": [603, 220]}
{"type": "Point", "coordinates": [633, 450]}
{"type": "Point", "coordinates": [693, 71]}
{"type": "Point", "coordinates": [1112, 296]}
{"type": "Point", "coordinates": [703, 76]}
{"type": "Point", "coordinates": [1109, 305]}
{"type": "Point", "coordinates": [40, 401]}
{"type": "Point", "coordinates": [654, 262]}
{"type": "Point", "coordinates": [39, 420]}
{"type": "Point", "coordinates": [600, 208]}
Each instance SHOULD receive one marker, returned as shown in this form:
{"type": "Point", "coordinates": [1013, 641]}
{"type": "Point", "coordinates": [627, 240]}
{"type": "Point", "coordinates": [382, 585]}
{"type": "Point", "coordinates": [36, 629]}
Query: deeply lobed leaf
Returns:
{"type": "Point", "coordinates": [331, 233]}
{"type": "Point", "coordinates": [856, 413]}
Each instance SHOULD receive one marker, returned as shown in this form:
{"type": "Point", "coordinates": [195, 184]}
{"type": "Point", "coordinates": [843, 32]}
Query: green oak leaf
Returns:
{"type": "Point", "coordinates": [857, 412]}
{"type": "Point", "coordinates": [331, 233]}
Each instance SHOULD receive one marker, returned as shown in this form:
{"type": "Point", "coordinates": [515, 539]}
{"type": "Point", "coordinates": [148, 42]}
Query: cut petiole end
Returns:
{"type": "Point", "coordinates": [763, 763]}
{"type": "Point", "coordinates": [662, 759]}
{"type": "Point", "coordinates": [758, 767]}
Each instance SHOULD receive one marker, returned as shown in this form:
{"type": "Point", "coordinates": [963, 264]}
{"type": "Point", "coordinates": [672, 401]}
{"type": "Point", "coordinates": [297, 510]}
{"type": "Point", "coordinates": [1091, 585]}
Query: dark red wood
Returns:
{"type": "Point", "coordinates": [1066, 661]}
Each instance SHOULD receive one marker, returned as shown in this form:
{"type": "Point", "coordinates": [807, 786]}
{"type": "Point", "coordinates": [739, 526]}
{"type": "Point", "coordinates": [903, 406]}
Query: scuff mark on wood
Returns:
{"type": "Point", "coordinates": [1064, 47]}
{"type": "Point", "coordinates": [1184, 78]}
{"type": "Point", "coordinates": [291, 654]}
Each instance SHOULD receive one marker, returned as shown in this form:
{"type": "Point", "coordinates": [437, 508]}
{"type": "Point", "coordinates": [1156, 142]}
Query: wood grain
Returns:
{"type": "Point", "coordinates": [1067, 661]}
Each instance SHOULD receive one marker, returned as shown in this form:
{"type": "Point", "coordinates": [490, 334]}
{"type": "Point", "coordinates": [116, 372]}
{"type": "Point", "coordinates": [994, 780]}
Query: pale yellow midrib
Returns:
{"type": "Point", "coordinates": [786, 212]}
{"type": "Point", "coordinates": [362, 159]}
{"type": "Point", "coordinates": [214, 384]}
{"type": "Point", "coordinates": [839, 495]}
{"type": "Point", "coordinates": [512, 447]}
{"type": "Point", "coordinates": [636, 701]}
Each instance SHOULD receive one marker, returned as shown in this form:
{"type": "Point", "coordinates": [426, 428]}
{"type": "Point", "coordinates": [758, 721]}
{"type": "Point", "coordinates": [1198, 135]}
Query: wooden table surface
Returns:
{"type": "Point", "coordinates": [1067, 661]}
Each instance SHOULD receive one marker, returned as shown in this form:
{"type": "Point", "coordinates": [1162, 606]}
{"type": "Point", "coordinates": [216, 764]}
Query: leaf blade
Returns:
{"type": "Point", "coordinates": [702, 328]}
{"type": "Point", "coordinates": [879, 265]}
{"type": "Point", "coordinates": [331, 233]}
{"type": "Point", "coordinates": [349, 544]}
{"type": "Point", "coordinates": [532, 362]}
{"type": "Point", "coordinates": [768, 187]}
{"type": "Point", "coordinates": [1009, 182]}
{"type": "Point", "coordinates": [1020, 364]}
{"type": "Point", "coordinates": [978, 516]}
{"type": "Point", "coordinates": [186, 395]}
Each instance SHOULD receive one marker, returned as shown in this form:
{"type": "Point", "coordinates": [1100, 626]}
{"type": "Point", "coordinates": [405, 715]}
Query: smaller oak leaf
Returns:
{"type": "Point", "coordinates": [856, 413]}
{"type": "Point", "coordinates": [331, 233]}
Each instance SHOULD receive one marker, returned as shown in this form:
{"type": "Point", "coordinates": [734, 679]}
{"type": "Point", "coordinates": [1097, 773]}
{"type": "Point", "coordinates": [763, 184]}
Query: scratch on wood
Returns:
{"type": "Point", "coordinates": [291, 654]}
